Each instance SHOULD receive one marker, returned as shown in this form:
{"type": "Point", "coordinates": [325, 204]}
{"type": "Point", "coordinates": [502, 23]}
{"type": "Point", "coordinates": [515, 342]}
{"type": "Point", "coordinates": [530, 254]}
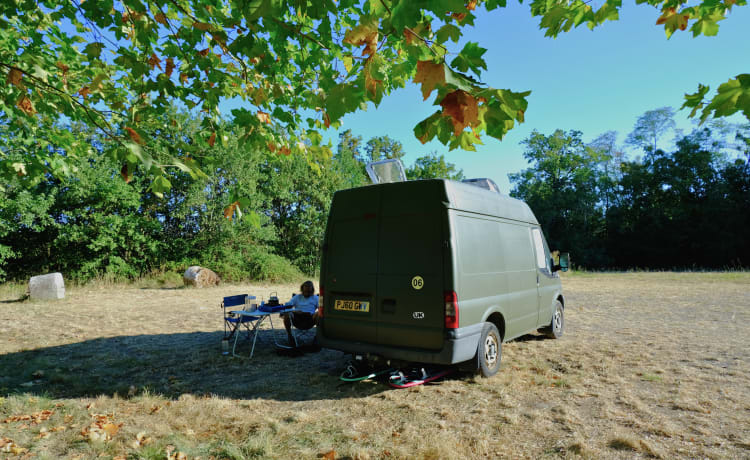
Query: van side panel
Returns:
{"type": "Point", "coordinates": [495, 272]}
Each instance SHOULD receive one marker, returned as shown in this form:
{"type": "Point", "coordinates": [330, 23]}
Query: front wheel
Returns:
{"type": "Point", "coordinates": [557, 324]}
{"type": "Point", "coordinates": [489, 351]}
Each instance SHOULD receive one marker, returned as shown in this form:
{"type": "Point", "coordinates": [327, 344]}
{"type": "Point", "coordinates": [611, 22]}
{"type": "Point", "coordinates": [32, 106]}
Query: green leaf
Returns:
{"type": "Point", "coordinates": [343, 99]}
{"type": "Point", "coordinates": [448, 31]}
{"type": "Point", "coordinates": [93, 50]}
{"type": "Point", "coordinates": [470, 58]}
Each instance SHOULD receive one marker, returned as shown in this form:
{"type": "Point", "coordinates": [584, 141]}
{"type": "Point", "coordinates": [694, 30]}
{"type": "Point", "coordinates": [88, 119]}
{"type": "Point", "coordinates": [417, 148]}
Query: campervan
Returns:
{"type": "Point", "coordinates": [435, 271]}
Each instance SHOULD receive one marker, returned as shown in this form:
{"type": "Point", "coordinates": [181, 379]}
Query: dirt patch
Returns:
{"type": "Point", "coordinates": [652, 365]}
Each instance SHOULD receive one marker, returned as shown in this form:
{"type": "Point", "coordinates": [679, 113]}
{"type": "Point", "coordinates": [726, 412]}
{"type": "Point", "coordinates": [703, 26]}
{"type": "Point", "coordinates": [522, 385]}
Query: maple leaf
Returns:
{"type": "Point", "coordinates": [271, 146]}
{"type": "Point", "coordinates": [203, 53]}
{"type": "Point", "coordinates": [366, 33]}
{"type": "Point", "coordinates": [125, 173]}
{"type": "Point", "coordinates": [471, 6]}
{"type": "Point", "coordinates": [183, 77]}
{"type": "Point", "coordinates": [229, 210]}
{"type": "Point", "coordinates": [463, 109]}
{"type": "Point", "coordinates": [326, 120]}
{"type": "Point", "coordinates": [285, 151]}
{"type": "Point", "coordinates": [672, 21]}
{"type": "Point", "coordinates": [64, 68]}
{"type": "Point", "coordinates": [212, 139]}
{"type": "Point", "coordinates": [154, 61]}
{"type": "Point", "coordinates": [160, 18]}
{"type": "Point", "coordinates": [170, 67]}
{"type": "Point", "coordinates": [14, 78]}
{"type": "Point", "coordinates": [203, 26]}
{"type": "Point", "coordinates": [429, 74]}
{"type": "Point", "coordinates": [26, 106]}
{"type": "Point", "coordinates": [134, 135]}
{"type": "Point", "coordinates": [263, 117]}
{"type": "Point", "coordinates": [84, 92]}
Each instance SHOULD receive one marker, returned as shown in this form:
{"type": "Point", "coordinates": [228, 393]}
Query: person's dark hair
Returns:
{"type": "Point", "coordinates": [307, 283]}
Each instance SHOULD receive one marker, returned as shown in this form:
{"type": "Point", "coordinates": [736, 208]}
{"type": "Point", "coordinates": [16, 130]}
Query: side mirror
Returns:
{"type": "Point", "coordinates": [564, 261]}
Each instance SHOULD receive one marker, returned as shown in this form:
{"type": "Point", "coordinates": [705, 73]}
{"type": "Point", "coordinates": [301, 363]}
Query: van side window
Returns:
{"type": "Point", "coordinates": [541, 254]}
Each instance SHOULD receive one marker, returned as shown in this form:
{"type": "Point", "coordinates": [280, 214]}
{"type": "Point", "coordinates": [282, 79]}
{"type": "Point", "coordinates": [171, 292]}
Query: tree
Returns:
{"type": "Point", "coordinates": [650, 127]}
{"type": "Point", "coordinates": [433, 166]}
{"type": "Point", "coordinates": [561, 189]}
{"type": "Point", "coordinates": [384, 148]}
{"type": "Point", "coordinates": [299, 67]}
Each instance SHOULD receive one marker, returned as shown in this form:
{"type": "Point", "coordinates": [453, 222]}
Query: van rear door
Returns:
{"type": "Point", "coordinates": [350, 266]}
{"type": "Point", "coordinates": [410, 298]}
{"type": "Point", "coordinates": [383, 265]}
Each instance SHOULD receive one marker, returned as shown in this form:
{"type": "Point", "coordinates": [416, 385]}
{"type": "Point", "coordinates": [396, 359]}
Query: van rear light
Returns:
{"type": "Point", "coordinates": [320, 301]}
{"type": "Point", "coordinates": [451, 310]}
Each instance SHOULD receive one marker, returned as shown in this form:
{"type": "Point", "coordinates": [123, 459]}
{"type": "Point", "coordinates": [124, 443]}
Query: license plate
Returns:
{"type": "Point", "coordinates": [352, 305]}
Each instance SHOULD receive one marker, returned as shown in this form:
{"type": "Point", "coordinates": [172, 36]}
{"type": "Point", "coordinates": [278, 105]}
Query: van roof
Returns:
{"type": "Point", "coordinates": [467, 197]}
{"type": "Point", "coordinates": [461, 197]}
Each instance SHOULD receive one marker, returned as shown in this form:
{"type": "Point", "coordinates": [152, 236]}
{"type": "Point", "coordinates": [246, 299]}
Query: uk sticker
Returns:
{"type": "Point", "coordinates": [417, 282]}
{"type": "Point", "coordinates": [417, 315]}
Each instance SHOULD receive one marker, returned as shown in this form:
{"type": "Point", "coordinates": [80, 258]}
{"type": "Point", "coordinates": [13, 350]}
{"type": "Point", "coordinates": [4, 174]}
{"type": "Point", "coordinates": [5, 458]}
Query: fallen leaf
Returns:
{"type": "Point", "coordinates": [330, 455]}
{"type": "Point", "coordinates": [154, 409]}
{"type": "Point", "coordinates": [68, 418]}
{"type": "Point", "coordinates": [463, 109]}
{"type": "Point", "coordinates": [429, 74]}
{"type": "Point", "coordinates": [111, 429]}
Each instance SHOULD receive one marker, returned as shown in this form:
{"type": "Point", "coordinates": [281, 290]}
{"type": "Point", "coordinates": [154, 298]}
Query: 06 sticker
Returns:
{"type": "Point", "coordinates": [417, 282]}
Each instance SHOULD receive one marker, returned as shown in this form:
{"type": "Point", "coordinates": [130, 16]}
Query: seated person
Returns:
{"type": "Point", "coordinates": [306, 315]}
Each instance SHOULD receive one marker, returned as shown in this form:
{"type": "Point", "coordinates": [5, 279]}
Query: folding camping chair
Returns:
{"type": "Point", "coordinates": [302, 335]}
{"type": "Point", "coordinates": [233, 322]}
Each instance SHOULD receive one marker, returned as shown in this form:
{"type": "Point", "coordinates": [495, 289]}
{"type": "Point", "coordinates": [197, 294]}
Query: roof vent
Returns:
{"type": "Point", "coordinates": [487, 184]}
{"type": "Point", "coordinates": [386, 171]}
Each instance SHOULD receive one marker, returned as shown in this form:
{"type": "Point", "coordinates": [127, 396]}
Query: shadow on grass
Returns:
{"type": "Point", "coordinates": [174, 364]}
{"type": "Point", "coordinates": [18, 300]}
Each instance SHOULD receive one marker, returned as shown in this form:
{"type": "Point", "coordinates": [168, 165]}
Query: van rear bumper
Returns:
{"type": "Point", "coordinates": [459, 345]}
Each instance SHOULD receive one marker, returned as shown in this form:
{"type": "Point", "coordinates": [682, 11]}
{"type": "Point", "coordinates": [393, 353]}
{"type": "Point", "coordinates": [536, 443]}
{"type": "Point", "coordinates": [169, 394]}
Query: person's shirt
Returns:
{"type": "Point", "coordinates": [305, 304]}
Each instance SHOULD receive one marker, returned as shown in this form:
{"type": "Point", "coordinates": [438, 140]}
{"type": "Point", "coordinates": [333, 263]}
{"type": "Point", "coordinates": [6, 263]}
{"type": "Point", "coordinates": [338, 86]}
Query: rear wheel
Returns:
{"type": "Point", "coordinates": [489, 351]}
{"type": "Point", "coordinates": [557, 324]}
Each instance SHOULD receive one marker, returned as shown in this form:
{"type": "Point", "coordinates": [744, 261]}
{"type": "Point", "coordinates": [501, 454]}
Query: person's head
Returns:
{"type": "Point", "coordinates": [307, 288]}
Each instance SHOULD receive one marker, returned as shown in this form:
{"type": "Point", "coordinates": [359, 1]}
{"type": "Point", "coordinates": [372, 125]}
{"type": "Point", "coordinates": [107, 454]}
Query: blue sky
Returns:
{"type": "Point", "coordinates": [592, 81]}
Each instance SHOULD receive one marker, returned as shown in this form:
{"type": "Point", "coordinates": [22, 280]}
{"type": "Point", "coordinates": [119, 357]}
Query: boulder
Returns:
{"type": "Point", "coordinates": [47, 287]}
{"type": "Point", "coordinates": [200, 277]}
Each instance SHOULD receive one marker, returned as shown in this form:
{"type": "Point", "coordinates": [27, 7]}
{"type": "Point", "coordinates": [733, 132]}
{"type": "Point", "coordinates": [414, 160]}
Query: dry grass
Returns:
{"type": "Point", "coordinates": [652, 365]}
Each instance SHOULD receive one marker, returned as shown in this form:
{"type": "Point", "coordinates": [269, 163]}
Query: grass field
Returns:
{"type": "Point", "coordinates": [651, 365]}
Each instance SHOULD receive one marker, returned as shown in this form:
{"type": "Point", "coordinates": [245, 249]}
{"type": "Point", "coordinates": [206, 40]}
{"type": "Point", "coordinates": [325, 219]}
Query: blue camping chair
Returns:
{"type": "Point", "coordinates": [233, 322]}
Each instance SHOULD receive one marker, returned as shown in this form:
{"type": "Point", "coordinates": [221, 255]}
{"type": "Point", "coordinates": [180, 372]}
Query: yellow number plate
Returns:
{"type": "Point", "coordinates": [352, 305]}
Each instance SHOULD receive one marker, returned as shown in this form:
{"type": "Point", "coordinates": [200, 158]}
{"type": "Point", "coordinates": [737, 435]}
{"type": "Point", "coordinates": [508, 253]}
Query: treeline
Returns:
{"type": "Point", "coordinates": [94, 224]}
{"type": "Point", "coordinates": [685, 207]}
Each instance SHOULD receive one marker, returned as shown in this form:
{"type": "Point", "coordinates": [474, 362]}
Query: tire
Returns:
{"type": "Point", "coordinates": [557, 324]}
{"type": "Point", "coordinates": [489, 351]}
